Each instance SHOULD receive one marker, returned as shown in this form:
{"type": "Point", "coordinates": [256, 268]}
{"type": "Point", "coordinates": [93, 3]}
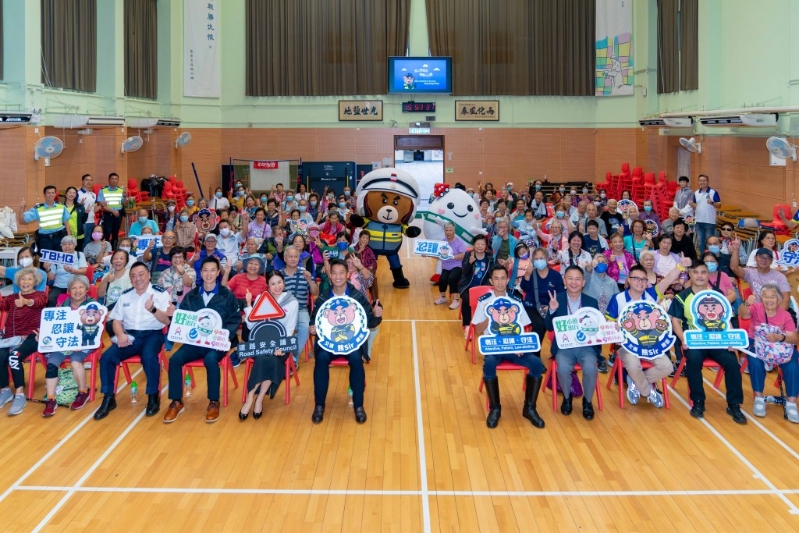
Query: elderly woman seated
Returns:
{"type": "Point", "coordinates": [61, 274]}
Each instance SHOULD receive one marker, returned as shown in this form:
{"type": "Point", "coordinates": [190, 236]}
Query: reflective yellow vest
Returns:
{"type": "Point", "coordinates": [50, 218]}
{"type": "Point", "coordinates": [113, 198]}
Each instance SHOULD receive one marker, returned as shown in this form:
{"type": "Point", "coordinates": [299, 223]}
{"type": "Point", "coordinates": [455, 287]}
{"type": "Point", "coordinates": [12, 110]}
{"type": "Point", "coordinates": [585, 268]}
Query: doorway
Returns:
{"type": "Point", "coordinates": [421, 156]}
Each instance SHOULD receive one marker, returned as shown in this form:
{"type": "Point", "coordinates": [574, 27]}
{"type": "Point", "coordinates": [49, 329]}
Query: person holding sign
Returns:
{"type": "Point", "coordinates": [451, 268]}
{"type": "Point", "coordinates": [565, 304]}
{"type": "Point", "coordinates": [682, 319]}
{"type": "Point", "coordinates": [640, 382]}
{"type": "Point", "coordinates": [60, 274]}
{"type": "Point", "coordinates": [137, 319]}
{"type": "Point", "coordinates": [18, 338]}
{"type": "Point", "coordinates": [51, 216]}
{"type": "Point", "coordinates": [321, 373]}
{"type": "Point", "coordinates": [513, 315]}
{"type": "Point", "coordinates": [211, 294]}
{"type": "Point", "coordinates": [268, 371]}
{"type": "Point", "coordinates": [25, 258]}
{"type": "Point", "coordinates": [474, 272]}
{"type": "Point", "coordinates": [772, 336]}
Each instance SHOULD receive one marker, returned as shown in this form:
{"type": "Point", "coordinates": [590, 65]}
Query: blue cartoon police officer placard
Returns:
{"type": "Point", "coordinates": [710, 314]}
{"type": "Point", "coordinates": [789, 256]}
{"type": "Point", "coordinates": [647, 329]}
{"type": "Point", "coordinates": [341, 325]}
{"type": "Point", "coordinates": [504, 333]}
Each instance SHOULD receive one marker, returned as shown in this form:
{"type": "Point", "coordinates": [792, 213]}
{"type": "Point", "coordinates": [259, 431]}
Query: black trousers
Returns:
{"type": "Point", "coordinates": [732, 373]}
{"type": "Point", "coordinates": [111, 225]}
{"type": "Point", "coordinates": [537, 323]}
{"type": "Point", "coordinates": [50, 241]}
{"type": "Point", "coordinates": [12, 360]}
{"type": "Point", "coordinates": [449, 278]}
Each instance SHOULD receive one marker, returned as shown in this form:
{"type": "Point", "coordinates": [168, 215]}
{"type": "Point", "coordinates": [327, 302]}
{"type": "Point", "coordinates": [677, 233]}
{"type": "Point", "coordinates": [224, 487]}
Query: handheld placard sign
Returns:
{"type": "Point", "coordinates": [711, 313]}
{"type": "Point", "coordinates": [266, 338]}
{"type": "Point", "coordinates": [341, 325]}
{"type": "Point", "coordinates": [205, 220]}
{"type": "Point", "coordinates": [624, 205]}
{"type": "Point", "coordinates": [647, 329]}
{"type": "Point", "coordinates": [143, 241]}
{"type": "Point", "coordinates": [504, 333]}
{"type": "Point", "coordinates": [652, 227]}
{"type": "Point", "coordinates": [202, 328]}
{"type": "Point", "coordinates": [438, 249]}
{"type": "Point", "coordinates": [586, 327]}
{"type": "Point", "coordinates": [62, 329]}
{"type": "Point", "coordinates": [58, 258]}
{"type": "Point", "coordinates": [265, 308]}
{"type": "Point", "coordinates": [789, 256]}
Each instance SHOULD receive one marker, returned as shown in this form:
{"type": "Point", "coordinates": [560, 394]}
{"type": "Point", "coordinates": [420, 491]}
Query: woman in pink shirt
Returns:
{"type": "Point", "coordinates": [620, 261]}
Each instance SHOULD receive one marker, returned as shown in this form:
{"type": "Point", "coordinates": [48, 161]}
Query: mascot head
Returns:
{"type": "Point", "coordinates": [388, 195]}
{"type": "Point", "coordinates": [448, 204]}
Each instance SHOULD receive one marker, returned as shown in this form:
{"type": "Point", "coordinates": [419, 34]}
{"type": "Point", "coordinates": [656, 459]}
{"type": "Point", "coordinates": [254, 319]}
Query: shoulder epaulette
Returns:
{"type": "Point", "coordinates": [158, 288]}
{"type": "Point", "coordinates": [127, 290]}
{"type": "Point", "coordinates": [486, 296]}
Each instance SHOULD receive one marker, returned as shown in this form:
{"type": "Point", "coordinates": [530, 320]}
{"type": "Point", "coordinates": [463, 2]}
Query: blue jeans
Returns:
{"type": "Point", "coordinates": [321, 375]}
{"type": "Point", "coordinates": [303, 321]}
{"type": "Point", "coordinates": [703, 231]}
{"type": "Point", "coordinates": [532, 363]}
{"type": "Point", "coordinates": [566, 360]}
{"type": "Point", "coordinates": [790, 370]}
{"type": "Point", "coordinates": [187, 354]}
{"type": "Point", "coordinates": [146, 344]}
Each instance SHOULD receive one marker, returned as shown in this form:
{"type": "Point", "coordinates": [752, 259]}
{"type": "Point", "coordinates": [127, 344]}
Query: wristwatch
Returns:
{"type": "Point", "coordinates": [153, 310]}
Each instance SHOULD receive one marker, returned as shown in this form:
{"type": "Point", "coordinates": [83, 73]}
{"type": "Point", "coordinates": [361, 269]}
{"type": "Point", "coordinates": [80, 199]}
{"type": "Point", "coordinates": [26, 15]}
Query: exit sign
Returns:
{"type": "Point", "coordinates": [419, 131]}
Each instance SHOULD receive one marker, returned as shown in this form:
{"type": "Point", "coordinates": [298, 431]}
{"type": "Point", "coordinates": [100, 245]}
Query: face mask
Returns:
{"type": "Point", "coordinates": [289, 198]}
{"type": "Point", "coordinates": [648, 208]}
{"type": "Point", "coordinates": [602, 195]}
{"type": "Point", "coordinates": [331, 197]}
{"type": "Point", "coordinates": [573, 192]}
{"type": "Point", "coordinates": [714, 249]}
{"type": "Point", "coordinates": [342, 204]}
{"type": "Point", "coordinates": [184, 218]}
{"type": "Point", "coordinates": [313, 203]}
{"type": "Point", "coordinates": [597, 203]}
{"type": "Point", "coordinates": [97, 236]}
{"type": "Point", "coordinates": [263, 198]}
{"type": "Point", "coordinates": [540, 264]}
{"type": "Point", "coordinates": [171, 208]}
{"type": "Point", "coordinates": [25, 262]}
{"type": "Point", "coordinates": [302, 208]}
{"type": "Point", "coordinates": [240, 194]}
{"type": "Point", "coordinates": [347, 193]}
{"type": "Point", "coordinates": [219, 194]}
{"type": "Point", "coordinates": [238, 184]}
{"type": "Point", "coordinates": [538, 187]}
{"type": "Point", "coordinates": [524, 256]}
{"type": "Point", "coordinates": [142, 220]}
{"type": "Point", "coordinates": [190, 203]}
{"type": "Point", "coordinates": [559, 214]}
{"type": "Point", "coordinates": [585, 191]}
{"type": "Point", "coordinates": [125, 248]}
{"type": "Point", "coordinates": [712, 267]}
{"type": "Point", "coordinates": [341, 245]}
{"type": "Point", "coordinates": [601, 268]}
{"type": "Point", "coordinates": [224, 232]}
{"type": "Point", "coordinates": [562, 190]}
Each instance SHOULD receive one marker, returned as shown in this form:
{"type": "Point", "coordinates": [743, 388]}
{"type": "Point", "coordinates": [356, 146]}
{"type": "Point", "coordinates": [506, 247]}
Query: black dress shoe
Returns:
{"type": "Point", "coordinates": [566, 406]}
{"type": "Point", "coordinates": [108, 405]}
{"type": "Point", "coordinates": [153, 404]}
{"type": "Point", "coordinates": [243, 416]}
{"type": "Point", "coordinates": [256, 415]}
{"type": "Point", "coordinates": [360, 415]}
{"type": "Point", "coordinates": [734, 410]}
{"type": "Point", "coordinates": [698, 410]}
{"type": "Point", "coordinates": [318, 414]}
{"type": "Point", "coordinates": [588, 410]}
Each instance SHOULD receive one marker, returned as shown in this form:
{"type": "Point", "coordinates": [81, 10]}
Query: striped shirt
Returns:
{"type": "Point", "coordinates": [297, 286]}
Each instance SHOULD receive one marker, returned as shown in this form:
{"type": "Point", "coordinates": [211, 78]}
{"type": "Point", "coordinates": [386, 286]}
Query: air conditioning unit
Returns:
{"type": "Point", "coordinates": [760, 120]}
{"type": "Point", "coordinates": [84, 121]}
{"type": "Point", "coordinates": [731, 120]}
{"type": "Point", "coordinates": [652, 123]}
{"type": "Point", "coordinates": [148, 122]}
{"type": "Point", "coordinates": [679, 122]}
{"type": "Point", "coordinates": [13, 120]}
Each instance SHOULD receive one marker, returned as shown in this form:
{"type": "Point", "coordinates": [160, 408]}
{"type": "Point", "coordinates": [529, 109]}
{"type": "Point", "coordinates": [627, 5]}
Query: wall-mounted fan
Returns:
{"type": "Point", "coordinates": [183, 139]}
{"type": "Point", "coordinates": [691, 145]}
{"type": "Point", "coordinates": [47, 147]}
{"type": "Point", "coordinates": [781, 148]}
{"type": "Point", "coordinates": [131, 144]}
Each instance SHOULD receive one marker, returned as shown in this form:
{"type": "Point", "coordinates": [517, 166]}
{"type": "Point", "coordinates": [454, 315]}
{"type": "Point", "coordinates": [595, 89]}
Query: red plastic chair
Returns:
{"type": "Point", "coordinates": [474, 294]}
{"type": "Point", "coordinates": [227, 369]}
{"type": "Point", "coordinates": [290, 367]}
{"type": "Point", "coordinates": [136, 360]}
{"type": "Point", "coordinates": [133, 190]}
{"type": "Point", "coordinates": [94, 359]}
{"type": "Point", "coordinates": [506, 366]}
{"type": "Point", "coordinates": [343, 361]}
{"type": "Point", "coordinates": [707, 363]}
{"type": "Point", "coordinates": [607, 184]}
{"type": "Point", "coordinates": [777, 224]}
{"type": "Point", "coordinates": [617, 372]}
{"type": "Point", "coordinates": [551, 377]}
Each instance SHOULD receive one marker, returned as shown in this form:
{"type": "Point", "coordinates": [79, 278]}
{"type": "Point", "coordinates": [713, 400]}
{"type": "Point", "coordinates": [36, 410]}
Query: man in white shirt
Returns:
{"type": "Point", "coordinates": [137, 319]}
{"type": "Point", "coordinates": [705, 202]}
{"type": "Point", "coordinates": [87, 197]}
{"type": "Point", "coordinates": [229, 242]}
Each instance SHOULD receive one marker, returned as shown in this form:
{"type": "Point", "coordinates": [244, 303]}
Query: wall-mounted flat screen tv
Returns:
{"type": "Point", "coordinates": [419, 75]}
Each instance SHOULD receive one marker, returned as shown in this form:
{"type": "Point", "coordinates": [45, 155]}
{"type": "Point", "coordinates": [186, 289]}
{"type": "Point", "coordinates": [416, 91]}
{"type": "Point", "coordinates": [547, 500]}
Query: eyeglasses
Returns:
{"type": "Point", "coordinates": [726, 229]}
{"type": "Point", "coordinates": [639, 280]}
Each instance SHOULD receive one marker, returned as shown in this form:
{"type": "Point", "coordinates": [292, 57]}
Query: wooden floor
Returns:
{"type": "Point", "coordinates": [424, 461]}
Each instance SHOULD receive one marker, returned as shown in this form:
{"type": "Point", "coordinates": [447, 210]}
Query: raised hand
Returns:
{"type": "Point", "coordinates": [377, 309]}
{"type": "Point", "coordinates": [248, 298]}
{"type": "Point", "coordinates": [553, 301]}
{"type": "Point", "coordinates": [149, 304]}
{"type": "Point", "coordinates": [472, 257]}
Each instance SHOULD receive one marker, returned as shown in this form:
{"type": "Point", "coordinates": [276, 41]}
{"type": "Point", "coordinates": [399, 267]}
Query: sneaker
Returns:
{"type": "Point", "coordinates": [673, 370]}
{"type": "Point", "coordinates": [769, 367]}
{"type": "Point", "coordinates": [49, 408]}
{"type": "Point", "coordinates": [80, 401]}
{"type": "Point", "coordinates": [5, 396]}
{"type": "Point", "coordinates": [698, 410]}
{"type": "Point", "coordinates": [759, 408]}
{"type": "Point", "coordinates": [235, 360]}
{"type": "Point", "coordinates": [17, 405]}
{"type": "Point", "coordinates": [792, 413]}
{"type": "Point", "coordinates": [655, 398]}
{"type": "Point", "coordinates": [455, 304]}
{"type": "Point", "coordinates": [632, 392]}
{"type": "Point", "coordinates": [602, 367]}
{"type": "Point", "coordinates": [441, 300]}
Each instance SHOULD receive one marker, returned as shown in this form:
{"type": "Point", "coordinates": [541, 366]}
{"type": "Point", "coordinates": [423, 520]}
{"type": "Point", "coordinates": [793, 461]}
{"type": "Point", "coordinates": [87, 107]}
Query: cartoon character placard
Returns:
{"type": "Point", "coordinates": [201, 328]}
{"type": "Point", "coordinates": [504, 333]}
{"type": "Point", "coordinates": [65, 330]}
{"type": "Point", "coordinates": [647, 329]}
{"type": "Point", "coordinates": [341, 325]}
{"type": "Point", "coordinates": [205, 220]}
{"type": "Point", "coordinates": [652, 227]}
{"type": "Point", "coordinates": [789, 256]}
{"type": "Point", "coordinates": [438, 249]}
{"type": "Point", "coordinates": [143, 241]}
{"type": "Point", "coordinates": [711, 313]}
{"type": "Point", "coordinates": [624, 205]}
{"type": "Point", "coordinates": [266, 338]}
{"type": "Point", "coordinates": [586, 327]}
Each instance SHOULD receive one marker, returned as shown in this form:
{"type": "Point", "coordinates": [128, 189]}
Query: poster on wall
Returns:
{"type": "Point", "coordinates": [201, 62]}
{"type": "Point", "coordinates": [614, 52]}
{"type": "Point", "coordinates": [264, 175]}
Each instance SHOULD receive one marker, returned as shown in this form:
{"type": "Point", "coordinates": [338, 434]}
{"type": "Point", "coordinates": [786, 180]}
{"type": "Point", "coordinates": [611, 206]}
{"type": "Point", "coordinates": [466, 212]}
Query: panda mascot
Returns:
{"type": "Point", "coordinates": [387, 199]}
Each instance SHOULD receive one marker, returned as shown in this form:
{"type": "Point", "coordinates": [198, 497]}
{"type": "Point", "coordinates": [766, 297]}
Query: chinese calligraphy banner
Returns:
{"type": "Point", "coordinates": [614, 51]}
{"type": "Point", "coordinates": [360, 110]}
{"type": "Point", "coordinates": [201, 62]}
{"type": "Point", "coordinates": [477, 110]}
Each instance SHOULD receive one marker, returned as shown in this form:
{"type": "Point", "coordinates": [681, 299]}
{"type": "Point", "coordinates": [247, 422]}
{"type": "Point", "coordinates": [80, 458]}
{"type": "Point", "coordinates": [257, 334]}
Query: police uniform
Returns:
{"type": "Point", "coordinates": [114, 199]}
{"type": "Point", "coordinates": [146, 330]}
{"type": "Point", "coordinates": [52, 220]}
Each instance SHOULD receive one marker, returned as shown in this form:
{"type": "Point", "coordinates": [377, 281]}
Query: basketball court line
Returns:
{"type": "Point", "coordinates": [420, 432]}
{"type": "Point", "coordinates": [757, 474]}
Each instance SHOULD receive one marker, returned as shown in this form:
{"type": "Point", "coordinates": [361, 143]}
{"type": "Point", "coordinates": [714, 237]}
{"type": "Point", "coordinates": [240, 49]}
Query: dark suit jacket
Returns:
{"type": "Point", "coordinates": [563, 310]}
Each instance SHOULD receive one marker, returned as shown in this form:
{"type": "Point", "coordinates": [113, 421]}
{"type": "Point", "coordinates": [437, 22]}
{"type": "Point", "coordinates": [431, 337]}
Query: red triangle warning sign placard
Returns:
{"type": "Point", "coordinates": [266, 308]}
